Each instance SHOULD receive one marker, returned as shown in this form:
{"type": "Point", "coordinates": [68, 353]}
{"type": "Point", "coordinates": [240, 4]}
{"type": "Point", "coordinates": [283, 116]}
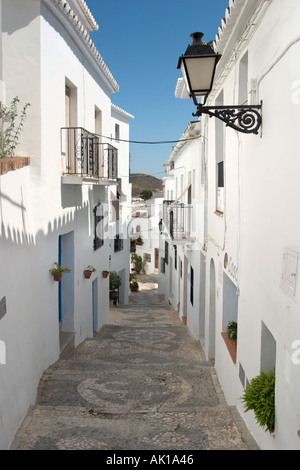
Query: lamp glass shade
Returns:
{"type": "Point", "coordinates": [198, 74]}
{"type": "Point", "coordinates": [198, 66]}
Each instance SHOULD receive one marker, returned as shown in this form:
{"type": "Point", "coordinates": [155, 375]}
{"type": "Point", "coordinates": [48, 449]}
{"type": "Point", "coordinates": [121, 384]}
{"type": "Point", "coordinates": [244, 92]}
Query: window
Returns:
{"type": "Point", "coordinates": [70, 104]}
{"type": "Point", "coordinates": [219, 145]}
{"type": "Point", "coordinates": [175, 256]}
{"type": "Point", "coordinates": [220, 187]}
{"type": "Point", "coordinates": [192, 286]}
{"type": "Point", "coordinates": [68, 163]}
{"type": "Point", "coordinates": [230, 302]}
{"type": "Point", "coordinates": [166, 252]}
{"type": "Point", "coordinates": [118, 243]}
{"type": "Point", "coordinates": [98, 226]}
{"type": "Point", "coordinates": [230, 313]}
{"type": "Point", "coordinates": [117, 132]}
{"type": "Point", "coordinates": [268, 350]}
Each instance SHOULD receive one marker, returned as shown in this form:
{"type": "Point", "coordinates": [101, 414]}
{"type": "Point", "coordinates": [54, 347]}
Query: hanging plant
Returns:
{"type": "Point", "coordinates": [139, 241]}
{"type": "Point", "coordinates": [89, 271]}
{"type": "Point", "coordinates": [260, 397]}
{"type": "Point", "coordinates": [58, 272]}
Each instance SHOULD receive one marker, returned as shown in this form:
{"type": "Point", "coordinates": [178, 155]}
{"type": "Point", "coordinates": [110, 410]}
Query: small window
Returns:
{"type": "Point", "coordinates": [167, 252]}
{"type": "Point", "coordinates": [147, 257]}
{"type": "Point", "coordinates": [219, 146]}
{"type": "Point", "coordinates": [220, 167]}
{"type": "Point", "coordinates": [117, 132]}
{"type": "Point", "coordinates": [118, 243]}
{"type": "Point", "coordinates": [192, 286]}
{"type": "Point", "coordinates": [175, 256]}
{"type": "Point", "coordinates": [98, 227]}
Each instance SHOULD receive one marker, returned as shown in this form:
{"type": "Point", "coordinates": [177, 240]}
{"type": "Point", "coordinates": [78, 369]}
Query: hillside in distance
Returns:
{"type": "Point", "coordinates": [141, 181]}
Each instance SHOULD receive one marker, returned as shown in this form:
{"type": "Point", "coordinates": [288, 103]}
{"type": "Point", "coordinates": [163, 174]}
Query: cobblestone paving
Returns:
{"type": "Point", "coordinates": [141, 384]}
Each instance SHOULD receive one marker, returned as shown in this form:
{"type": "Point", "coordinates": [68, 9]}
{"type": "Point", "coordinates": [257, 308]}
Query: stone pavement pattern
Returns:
{"type": "Point", "coordinates": [142, 383]}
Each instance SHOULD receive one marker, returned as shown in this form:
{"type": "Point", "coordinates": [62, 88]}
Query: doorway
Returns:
{"type": "Point", "coordinates": [202, 299]}
{"type": "Point", "coordinates": [156, 258]}
{"type": "Point", "coordinates": [95, 304]}
{"type": "Point", "coordinates": [212, 311]}
{"type": "Point", "coordinates": [66, 285]}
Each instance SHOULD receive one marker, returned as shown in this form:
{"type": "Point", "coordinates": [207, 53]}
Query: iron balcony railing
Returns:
{"type": "Point", "coordinates": [178, 219]}
{"type": "Point", "coordinates": [85, 155]}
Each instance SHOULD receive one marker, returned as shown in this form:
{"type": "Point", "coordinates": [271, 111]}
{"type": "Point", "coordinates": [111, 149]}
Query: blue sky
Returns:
{"type": "Point", "coordinates": [141, 41]}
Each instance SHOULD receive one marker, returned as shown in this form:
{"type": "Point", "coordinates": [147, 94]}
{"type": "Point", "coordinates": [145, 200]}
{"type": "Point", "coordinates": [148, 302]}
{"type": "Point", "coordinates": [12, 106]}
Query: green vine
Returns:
{"type": "Point", "coordinates": [10, 127]}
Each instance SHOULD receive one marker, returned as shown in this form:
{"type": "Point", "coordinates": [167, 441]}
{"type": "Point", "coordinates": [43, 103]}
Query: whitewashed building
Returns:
{"type": "Point", "coordinates": [183, 229]}
{"type": "Point", "coordinates": [57, 208]}
{"type": "Point", "coordinates": [120, 204]}
{"type": "Point", "coordinates": [145, 228]}
{"type": "Point", "coordinates": [251, 243]}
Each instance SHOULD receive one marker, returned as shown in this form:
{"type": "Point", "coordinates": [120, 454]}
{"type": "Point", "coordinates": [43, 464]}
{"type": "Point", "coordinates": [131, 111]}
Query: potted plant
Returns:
{"type": "Point", "coordinates": [138, 263]}
{"type": "Point", "coordinates": [134, 285]}
{"type": "Point", "coordinates": [105, 274]}
{"type": "Point", "coordinates": [232, 330]}
{"type": "Point", "coordinates": [10, 128]}
{"type": "Point", "coordinates": [139, 241]}
{"type": "Point", "coordinates": [114, 284]}
{"type": "Point", "coordinates": [58, 271]}
{"type": "Point", "coordinates": [259, 396]}
{"type": "Point", "coordinates": [88, 271]}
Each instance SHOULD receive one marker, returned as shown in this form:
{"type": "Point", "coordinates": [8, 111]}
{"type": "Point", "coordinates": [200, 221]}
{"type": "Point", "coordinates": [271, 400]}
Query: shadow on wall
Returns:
{"type": "Point", "coordinates": [24, 17]}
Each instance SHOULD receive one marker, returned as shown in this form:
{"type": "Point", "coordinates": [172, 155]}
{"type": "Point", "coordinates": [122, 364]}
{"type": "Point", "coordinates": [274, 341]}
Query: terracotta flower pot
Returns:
{"type": "Point", "coordinates": [57, 276]}
{"type": "Point", "coordinates": [113, 294]}
{"type": "Point", "coordinates": [105, 274]}
{"type": "Point", "coordinates": [87, 274]}
{"type": "Point", "coordinates": [134, 289]}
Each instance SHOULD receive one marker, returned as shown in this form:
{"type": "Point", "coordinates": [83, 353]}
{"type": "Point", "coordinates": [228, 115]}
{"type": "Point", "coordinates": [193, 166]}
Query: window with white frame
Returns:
{"type": "Point", "coordinates": [219, 145]}
{"type": "Point", "coordinates": [117, 132]}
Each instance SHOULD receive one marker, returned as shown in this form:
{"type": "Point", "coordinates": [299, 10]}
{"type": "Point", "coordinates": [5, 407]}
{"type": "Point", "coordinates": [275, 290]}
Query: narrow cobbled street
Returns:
{"type": "Point", "coordinates": [142, 383]}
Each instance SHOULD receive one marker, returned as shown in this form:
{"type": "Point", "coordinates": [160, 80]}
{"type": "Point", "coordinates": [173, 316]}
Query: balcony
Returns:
{"type": "Point", "coordinates": [85, 159]}
{"type": "Point", "coordinates": [178, 220]}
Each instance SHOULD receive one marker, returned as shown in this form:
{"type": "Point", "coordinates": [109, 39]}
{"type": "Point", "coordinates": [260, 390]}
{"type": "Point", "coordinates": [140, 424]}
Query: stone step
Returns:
{"type": "Point", "coordinates": [66, 343]}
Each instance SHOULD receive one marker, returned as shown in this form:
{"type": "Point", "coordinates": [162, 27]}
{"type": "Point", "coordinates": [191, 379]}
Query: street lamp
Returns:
{"type": "Point", "coordinates": [160, 225]}
{"type": "Point", "coordinates": [198, 66]}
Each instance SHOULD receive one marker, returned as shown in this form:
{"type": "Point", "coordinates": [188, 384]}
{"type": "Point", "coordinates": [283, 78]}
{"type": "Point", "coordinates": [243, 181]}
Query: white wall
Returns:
{"type": "Point", "coordinates": [22, 324]}
{"type": "Point", "coordinates": [261, 219]}
{"type": "Point", "coordinates": [188, 168]}
{"type": "Point", "coordinates": [36, 208]}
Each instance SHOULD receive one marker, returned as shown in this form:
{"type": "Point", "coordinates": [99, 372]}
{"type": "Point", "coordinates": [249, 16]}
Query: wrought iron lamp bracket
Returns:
{"type": "Point", "coordinates": [244, 118]}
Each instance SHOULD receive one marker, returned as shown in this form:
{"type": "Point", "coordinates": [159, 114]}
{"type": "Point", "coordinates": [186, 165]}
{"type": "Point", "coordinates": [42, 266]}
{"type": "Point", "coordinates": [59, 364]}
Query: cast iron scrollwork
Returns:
{"type": "Point", "coordinates": [246, 119]}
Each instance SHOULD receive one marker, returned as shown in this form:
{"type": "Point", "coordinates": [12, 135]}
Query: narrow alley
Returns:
{"type": "Point", "coordinates": [142, 383]}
